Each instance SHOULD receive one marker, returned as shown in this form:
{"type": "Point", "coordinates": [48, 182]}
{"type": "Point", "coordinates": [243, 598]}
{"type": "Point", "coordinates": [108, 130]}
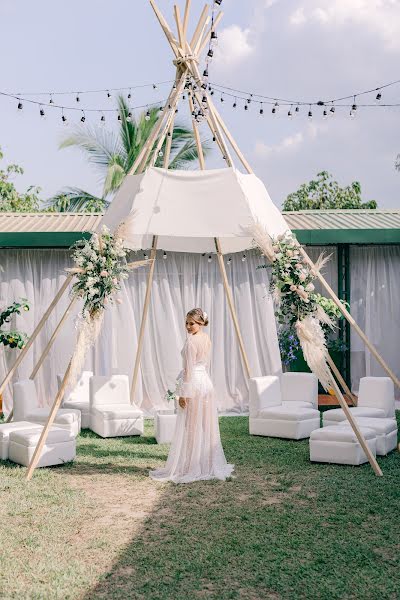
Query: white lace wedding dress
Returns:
{"type": "Point", "coordinates": [196, 452]}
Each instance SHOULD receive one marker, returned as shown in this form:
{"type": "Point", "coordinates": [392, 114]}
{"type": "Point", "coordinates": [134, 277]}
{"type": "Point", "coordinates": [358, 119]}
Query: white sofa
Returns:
{"type": "Point", "coordinates": [375, 399]}
{"type": "Point", "coordinates": [275, 410]}
{"type": "Point", "coordinates": [111, 413]}
{"type": "Point", "coordinates": [164, 426]}
{"type": "Point", "coordinates": [78, 398]}
{"type": "Point", "coordinates": [26, 408]}
{"type": "Point", "coordinates": [59, 447]}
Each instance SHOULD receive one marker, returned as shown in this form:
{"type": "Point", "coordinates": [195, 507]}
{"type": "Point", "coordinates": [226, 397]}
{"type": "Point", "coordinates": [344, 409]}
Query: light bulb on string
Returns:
{"type": "Point", "coordinates": [325, 114]}
{"type": "Point", "coordinates": [290, 114]}
{"type": "Point", "coordinates": [276, 106]}
{"type": "Point", "coordinates": [204, 100]}
{"type": "Point", "coordinates": [353, 108]}
{"type": "Point", "coordinates": [261, 109]}
{"type": "Point", "coordinates": [203, 86]}
{"type": "Point", "coordinates": [332, 110]}
{"type": "Point", "coordinates": [108, 94]}
{"type": "Point", "coordinates": [229, 261]}
{"type": "Point", "coordinates": [297, 109]}
{"type": "Point", "coordinates": [20, 105]}
{"type": "Point", "coordinates": [165, 255]}
{"type": "Point", "coordinates": [212, 93]}
{"type": "Point", "coordinates": [222, 99]}
{"type": "Point", "coordinates": [243, 257]}
{"type": "Point", "coordinates": [378, 96]}
{"type": "Point", "coordinates": [154, 86]}
{"type": "Point", "coordinates": [147, 117]}
{"type": "Point", "coordinates": [209, 258]}
{"type": "Point", "coordinates": [83, 118]}
{"type": "Point", "coordinates": [129, 94]}
{"type": "Point", "coordinates": [145, 256]}
{"type": "Point", "coordinates": [51, 101]}
{"type": "Point", "coordinates": [210, 53]}
{"type": "Point", "coordinates": [41, 112]}
{"type": "Point", "coordinates": [63, 117]}
{"type": "Point", "coordinates": [246, 107]}
{"type": "Point", "coordinates": [273, 110]}
{"type": "Point", "coordinates": [310, 113]}
{"type": "Point", "coordinates": [249, 99]}
{"type": "Point", "coordinates": [234, 105]}
{"type": "Point", "coordinates": [102, 120]}
{"type": "Point", "coordinates": [205, 73]}
{"type": "Point", "coordinates": [219, 2]}
{"type": "Point", "coordinates": [119, 118]}
{"type": "Point", "coordinates": [77, 97]}
{"type": "Point", "coordinates": [129, 117]}
{"type": "Point", "coordinates": [160, 153]}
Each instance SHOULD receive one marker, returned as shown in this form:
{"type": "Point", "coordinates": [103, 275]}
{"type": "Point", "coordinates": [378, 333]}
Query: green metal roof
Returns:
{"type": "Point", "coordinates": [311, 227]}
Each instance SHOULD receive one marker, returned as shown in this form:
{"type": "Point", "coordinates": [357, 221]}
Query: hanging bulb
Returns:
{"type": "Point", "coordinates": [176, 110]}
{"type": "Point", "coordinates": [210, 53]}
{"type": "Point", "coordinates": [297, 109]}
{"type": "Point", "coordinates": [102, 120]}
{"type": "Point", "coordinates": [261, 109]}
{"type": "Point", "coordinates": [164, 255]}
{"type": "Point", "coordinates": [129, 94]}
{"type": "Point", "coordinates": [290, 114]}
{"type": "Point", "coordinates": [249, 99]}
{"type": "Point", "coordinates": [310, 113]}
{"type": "Point", "coordinates": [212, 93]}
{"type": "Point", "coordinates": [204, 100]}
{"type": "Point", "coordinates": [210, 258]}
{"type": "Point", "coordinates": [246, 107]}
{"type": "Point", "coordinates": [169, 134]}
{"type": "Point", "coordinates": [63, 118]}
{"type": "Point", "coordinates": [129, 117]}
{"type": "Point", "coordinates": [332, 110]}
{"type": "Point", "coordinates": [161, 109]}
{"type": "Point", "coordinates": [160, 153]}
{"type": "Point", "coordinates": [51, 101]}
{"type": "Point", "coordinates": [42, 112]}
{"type": "Point", "coordinates": [184, 97]}
{"type": "Point", "coordinates": [325, 114]}
{"type": "Point", "coordinates": [77, 97]}
{"type": "Point", "coordinates": [154, 86]}
{"type": "Point", "coordinates": [234, 105]}
{"type": "Point", "coordinates": [174, 86]}
{"type": "Point", "coordinates": [20, 105]}
{"type": "Point", "coordinates": [119, 119]}
{"type": "Point", "coordinates": [222, 99]}
{"type": "Point", "coordinates": [243, 257]}
{"type": "Point", "coordinates": [273, 110]}
{"type": "Point", "coordinates": [214, 138]}
{"type": "Point", "coordinates": [378, 96]}
{"type": "Point", "coordinates": [83, 118]}
{"type": "Point", "coordinates": [108, 94]}
{"type": "Point", "coordinates": [194, 87]}
{"type": "Point", "coordinates": [218, 2]}
{"type": "Point", "coordinates": [229, 260]}
{"type": "Point", "coordinates": [145, 256]}
{"type": "Point", "coordinates": [205, 73]}
{"type": "Point", "coordinates": [203, 86]}
{"type": "Point", "coordinates": [147, 117]}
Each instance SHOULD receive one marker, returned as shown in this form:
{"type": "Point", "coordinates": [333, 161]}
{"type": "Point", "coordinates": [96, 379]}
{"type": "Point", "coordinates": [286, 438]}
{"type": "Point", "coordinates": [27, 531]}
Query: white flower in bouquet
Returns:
{"type": "Point", "coordinates": [104, 273]}
{"type": "Point", "coordinates": [310, 287]}
{"type": "Point", "coordinates": [89, 266]}
{"type": "Point", "coordinates": [302, 276]}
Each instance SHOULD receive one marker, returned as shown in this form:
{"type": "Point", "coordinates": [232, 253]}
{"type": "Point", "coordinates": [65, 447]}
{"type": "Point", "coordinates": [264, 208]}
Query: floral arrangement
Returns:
{"type": "Point", "coordinates": [170, 395]}
{"type": "Point", "coordinates": [298, 308]}
{"type": "Point", "coordinates": [100, 266]}
{"type": "Point", "coordinates": [14, 339]}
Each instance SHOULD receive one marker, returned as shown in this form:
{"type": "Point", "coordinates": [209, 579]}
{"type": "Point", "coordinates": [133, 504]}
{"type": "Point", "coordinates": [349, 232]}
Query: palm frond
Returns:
{"type": "Point", "coordinates": [115, 175]}
{"type": "Point", "coordinates": [72, 199]}
{"type": "Point", "coordinates": [100, 145]}
{"type": "Point", "coordinates": [188, 153]}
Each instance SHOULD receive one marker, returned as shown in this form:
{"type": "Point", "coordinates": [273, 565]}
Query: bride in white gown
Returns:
{"type": "Point", "coordinates": [196, 452]}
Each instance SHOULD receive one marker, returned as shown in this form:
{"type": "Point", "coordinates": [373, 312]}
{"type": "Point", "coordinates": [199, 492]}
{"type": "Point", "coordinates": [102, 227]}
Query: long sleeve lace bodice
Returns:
{"type": "Point", "coordinates": [195, 353]}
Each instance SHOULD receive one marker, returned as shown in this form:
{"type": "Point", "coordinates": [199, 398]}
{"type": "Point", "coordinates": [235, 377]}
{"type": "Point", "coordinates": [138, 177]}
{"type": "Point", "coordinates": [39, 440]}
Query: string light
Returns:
{"type": "Point", "coordinates": [41, 111]}
{"type": "Point", "coordinates": [160, 153]}
{"type": "Point", "coordinates": [229, 260]}
{"type": "Point", "coordinates": [147, 117]}
{"type": "Point", "coordinates": [297, 109]}
{"type": "Point", "coordinates": [210, 258]}
{"type": "Point", "coordinates": [290, 115]}
{"type": "Point", "coordinates": [129, 117]}
{"type": "Point", "coordinates": [108, 94]}
{"type": "Point", "coordinates": [325, 114]}
{"type": "Point", "coordinates": [261, 109]}
{"type": "Point", "coordinates": [164, 255]}
{"type": "Point", "coordinates": [20, 105]}
{"type": "Point", "coordinates": [51, 101]}
{"type": "Point", "coordinates": [77, 97]}
{"type": "Point", "coordinates": [83, 118]}
{"type": "Point", "coordinates": [103, 120]}
{"type": "Point", "coordinates": [243, 257]}
{"type": "Point", "coordinates": [234, 105]}
{"type": "Point", "coordinates": [310, 113]}
{"type": "Point", "coordinates": [378, 97]}
{"type": "Point", "coordinates": [145, 256]}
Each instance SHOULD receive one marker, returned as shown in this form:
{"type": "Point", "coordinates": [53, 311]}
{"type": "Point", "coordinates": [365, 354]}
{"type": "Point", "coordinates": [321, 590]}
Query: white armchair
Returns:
{"type": "Point", "coordinates": [271, 416]}
{"type": "Point", "coordinates": [111, 413]}
{"type": "Point", "coordinates": [375, 399]}
{"type": "Point", "coordinates": [299, 390]}
{"type": "Point", "coordinates": [78, 398]}
{"type": "Point", "coordinates": [26, 408]}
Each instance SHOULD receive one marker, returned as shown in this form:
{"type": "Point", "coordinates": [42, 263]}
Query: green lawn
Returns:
{"type": "Point", "coordinates": [282, 528]}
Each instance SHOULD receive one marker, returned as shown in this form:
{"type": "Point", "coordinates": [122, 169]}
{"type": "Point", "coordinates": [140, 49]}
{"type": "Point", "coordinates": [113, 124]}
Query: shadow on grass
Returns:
{"type": "Point", "coordinates": [283, 528]}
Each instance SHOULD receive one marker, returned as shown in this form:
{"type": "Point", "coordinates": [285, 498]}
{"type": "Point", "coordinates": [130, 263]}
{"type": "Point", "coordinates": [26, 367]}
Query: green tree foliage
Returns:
{"type": "Point", "coordinates": [10, 199]}
{"type": "Point", "coordinates": [13, 338]}
{"type": "Point", "coordinates": [113, 155]}
{"type": "Point", "coordinates": [325, 193]}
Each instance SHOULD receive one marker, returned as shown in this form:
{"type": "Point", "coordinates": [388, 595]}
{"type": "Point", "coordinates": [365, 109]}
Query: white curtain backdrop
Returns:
{"type": "Point", "coordinates": [181, 282]}
{"type": "Point", "coordinates": [375, 305]}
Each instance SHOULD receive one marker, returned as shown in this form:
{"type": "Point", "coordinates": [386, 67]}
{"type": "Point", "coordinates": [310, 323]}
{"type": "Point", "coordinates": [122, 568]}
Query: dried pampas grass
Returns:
{"type": "Point", "coordinates": [312, 341]}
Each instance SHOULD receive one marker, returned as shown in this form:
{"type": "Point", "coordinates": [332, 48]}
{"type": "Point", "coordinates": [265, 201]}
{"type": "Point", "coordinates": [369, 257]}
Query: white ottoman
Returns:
{"type": "Point", "coordinates": [66, 418]}
{"type": "Point", "coordinates": [385, 431]}
{"type": "Point", "coordinates": [285, 422]}
{"type": "Point", "coordinates": [339, 444]}
{"type": "Point", "coordinates": [60, 446]}
{"type": "Point", "coordinates": [6, 429]}
{"type": "Point", "coordinates": [164, 426]}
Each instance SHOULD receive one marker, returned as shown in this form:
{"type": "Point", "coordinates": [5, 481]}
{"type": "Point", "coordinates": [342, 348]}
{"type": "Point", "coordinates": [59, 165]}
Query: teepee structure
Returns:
{"type": "Point", "coordinates": [201, 211]}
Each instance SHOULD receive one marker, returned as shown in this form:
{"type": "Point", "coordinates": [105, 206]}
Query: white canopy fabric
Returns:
{"type": "Point", "coordinates": [188, 209]}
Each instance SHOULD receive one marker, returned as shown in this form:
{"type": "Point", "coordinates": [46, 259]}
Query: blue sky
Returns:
{"type": "Point", "coordinates": [308, 50]}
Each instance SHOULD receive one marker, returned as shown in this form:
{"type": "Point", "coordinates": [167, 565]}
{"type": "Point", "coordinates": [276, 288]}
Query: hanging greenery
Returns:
{"type": "Point", "coordinates": [13, 338]}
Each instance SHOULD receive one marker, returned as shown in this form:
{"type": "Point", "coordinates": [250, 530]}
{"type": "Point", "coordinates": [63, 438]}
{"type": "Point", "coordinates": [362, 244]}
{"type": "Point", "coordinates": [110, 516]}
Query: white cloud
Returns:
{"type": "Point", "coordinates": [290, 143]}
{"type": "Point", "coordinates": [234, 47]}
{"type": "Point", "coordinates": [379, 16]}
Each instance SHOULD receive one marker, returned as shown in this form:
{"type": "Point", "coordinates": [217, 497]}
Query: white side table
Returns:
{"type": "Point", "coordinates": [164, 425]}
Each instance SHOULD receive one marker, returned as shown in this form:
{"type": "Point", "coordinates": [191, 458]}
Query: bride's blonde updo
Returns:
{"type": "Point", "coordinates": [199, 316]}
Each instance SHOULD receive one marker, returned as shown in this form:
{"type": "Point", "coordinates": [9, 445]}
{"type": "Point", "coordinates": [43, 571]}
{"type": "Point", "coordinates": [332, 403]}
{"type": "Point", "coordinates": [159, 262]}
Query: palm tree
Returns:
{"type": "Point", "coordinates": [114, 154]}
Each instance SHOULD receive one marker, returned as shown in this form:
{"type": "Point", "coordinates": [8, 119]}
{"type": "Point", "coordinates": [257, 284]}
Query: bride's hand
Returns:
{"type": "Point", "coordinates": [182, 402]}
